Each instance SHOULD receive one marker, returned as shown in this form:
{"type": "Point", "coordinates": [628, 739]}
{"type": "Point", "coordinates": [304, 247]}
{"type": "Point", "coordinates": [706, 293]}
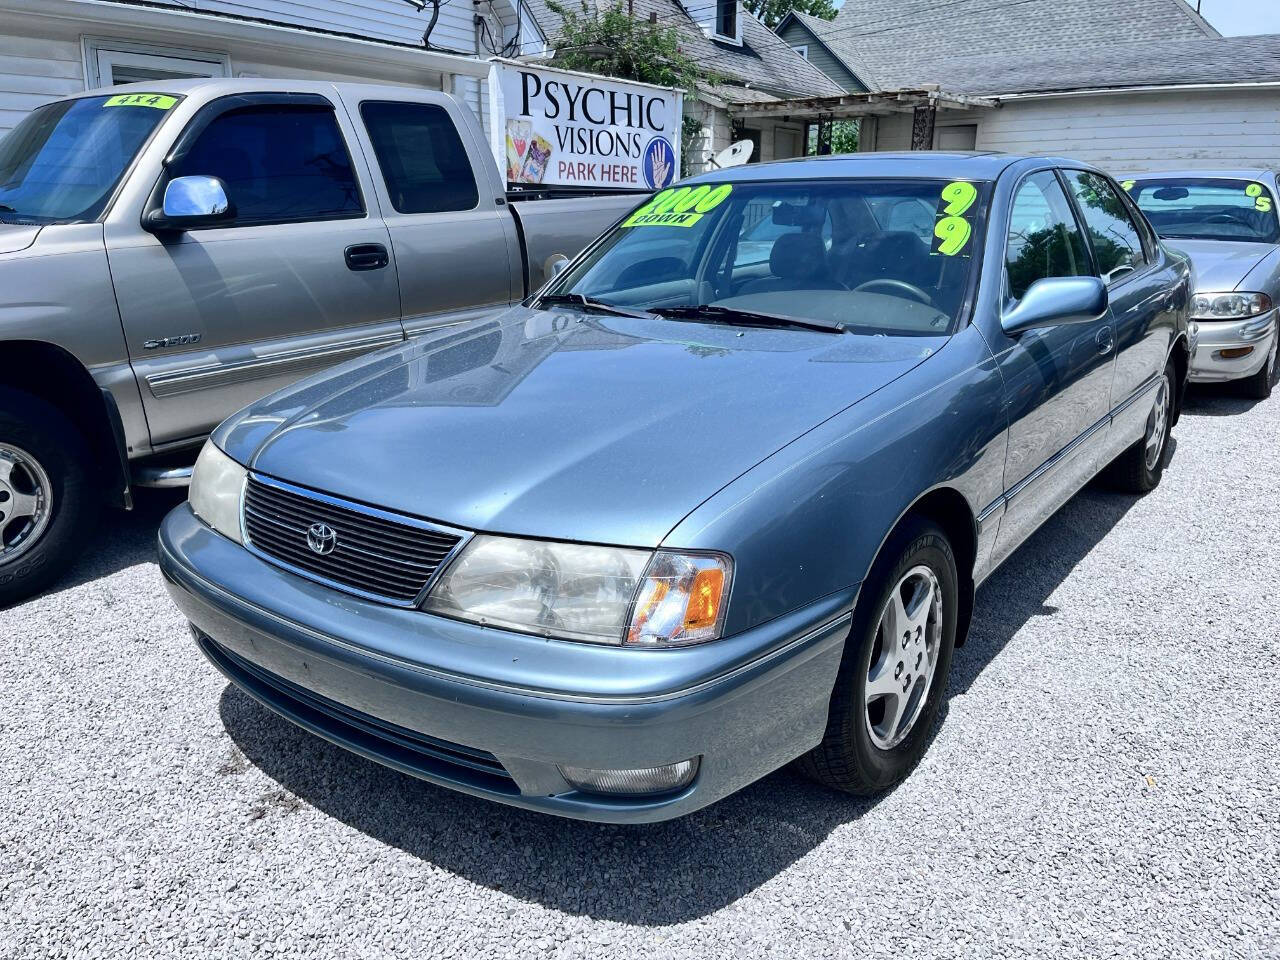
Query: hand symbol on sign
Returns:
{"type": "Point", "coordinates": [661, 164]}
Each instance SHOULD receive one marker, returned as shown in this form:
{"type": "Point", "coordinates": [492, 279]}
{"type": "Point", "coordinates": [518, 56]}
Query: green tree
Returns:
{"type": "Point", "coordinates": [771, 12]}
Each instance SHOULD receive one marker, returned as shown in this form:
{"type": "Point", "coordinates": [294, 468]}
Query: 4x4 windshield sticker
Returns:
{"type": "Point", "coordinates": [157, 100]}
{"type": "Point", "coordinates": [1261, 199]}
{"type": "Point", "coordinates": [953, 226]}
{"type": "Point", "coordinates": [679, 206]}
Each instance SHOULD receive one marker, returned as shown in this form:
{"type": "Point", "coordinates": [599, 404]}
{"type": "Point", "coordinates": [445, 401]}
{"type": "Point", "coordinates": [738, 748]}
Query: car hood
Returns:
{"type": "Point", "coordinates": [16, 237]}
{"type": "Point", "coordinates": [554, 424]}
{"type": "Point", "coordinates": [1220, 265]}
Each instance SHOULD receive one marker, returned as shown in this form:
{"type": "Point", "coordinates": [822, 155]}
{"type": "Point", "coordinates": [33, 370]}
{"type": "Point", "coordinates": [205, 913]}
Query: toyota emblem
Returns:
{"type": "Point", "coordinates": [321, 538]}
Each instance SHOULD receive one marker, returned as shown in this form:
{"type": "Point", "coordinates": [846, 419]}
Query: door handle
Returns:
{"type": "Point", "coordinates": [367, 256]}
{"type": "Point", "coordinates": [1105, 341]}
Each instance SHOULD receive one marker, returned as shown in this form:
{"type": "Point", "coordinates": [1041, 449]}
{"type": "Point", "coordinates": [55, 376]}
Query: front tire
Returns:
{"type": "Point", "coordinates": [1258, 387]}
{"type": "Point", "coordinates": [48, 503]}
{"type": "Point", "coordinates": [897, 660]}
{"type": "Point", "coordinates": [1139, 469]}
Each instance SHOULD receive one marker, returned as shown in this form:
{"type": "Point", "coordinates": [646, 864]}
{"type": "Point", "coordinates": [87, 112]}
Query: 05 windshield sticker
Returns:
{"type": "Point", "coordinates": [679, 206]}
{"type": "Point", "coordinates": [157, 100]}
{"type": "Point", "coordinates": [1261, 199]}
{"type": "Point", "coordinates": [953, 225]}
{"type": "Point", "coordinates": [1128, 185]}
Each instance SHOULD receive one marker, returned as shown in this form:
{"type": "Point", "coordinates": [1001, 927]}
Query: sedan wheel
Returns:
{"type": "Point", "coordinates": [904, 658]}
{"type": "Point", "coordinates": [26, 502]}
{"type": "Point", "coordinates": [1158, 424]}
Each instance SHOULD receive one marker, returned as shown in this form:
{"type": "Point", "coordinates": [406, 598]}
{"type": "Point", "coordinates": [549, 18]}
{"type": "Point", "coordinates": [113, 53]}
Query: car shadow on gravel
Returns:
{"type": "Point", "coordinates": [651, 875]}
{"type": "Point", "coordinates": [1216, 400]}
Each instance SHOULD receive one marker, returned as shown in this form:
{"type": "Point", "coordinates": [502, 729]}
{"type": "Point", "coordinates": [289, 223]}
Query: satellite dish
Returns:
{"type": "Point", "coordinates": [734, 155]}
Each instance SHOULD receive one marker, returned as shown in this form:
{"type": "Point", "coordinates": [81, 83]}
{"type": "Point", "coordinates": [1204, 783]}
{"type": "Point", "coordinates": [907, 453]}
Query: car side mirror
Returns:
{"type": "Point", "coordinates": [192, 202]}
{"type": "Point", "coordinates": [1055, 301]}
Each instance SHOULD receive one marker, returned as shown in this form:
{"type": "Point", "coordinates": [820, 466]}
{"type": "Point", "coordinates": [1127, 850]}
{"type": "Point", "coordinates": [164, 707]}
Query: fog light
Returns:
{"type": "Point", "coordinates": [1235, 353]}
{"type": "Point", "coordinates": [642, 781]}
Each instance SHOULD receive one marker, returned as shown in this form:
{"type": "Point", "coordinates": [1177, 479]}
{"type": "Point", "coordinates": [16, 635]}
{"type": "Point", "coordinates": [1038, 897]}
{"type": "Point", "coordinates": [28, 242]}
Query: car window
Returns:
{"type": "Point", "coordinates": [280, 164]}
{"type": "Point", "coordinates": [759, 232]}
{"type": "Point", "coordinates": [1208, 208]}
{"type": "Point", "coordinates": [421, 156]}
{"type": "Point", "coordinates": [1044, 238]}
{"type": "Point", "coordinates": [1117, 245]}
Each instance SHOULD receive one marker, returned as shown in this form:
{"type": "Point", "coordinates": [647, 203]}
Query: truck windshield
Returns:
{"type": "Point", "coordinates": [1186, 208]}
{"type": "Point", "coordinates": [62, 162]}
{"type": "Point", "coordinates": [893, 256]}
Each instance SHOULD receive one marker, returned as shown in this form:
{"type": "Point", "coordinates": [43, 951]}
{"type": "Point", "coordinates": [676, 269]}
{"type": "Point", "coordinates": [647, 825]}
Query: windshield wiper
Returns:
{"type": "Point", "coordinates": [716, 314]}
{"type": "Point", "coordinates": [588, 305]}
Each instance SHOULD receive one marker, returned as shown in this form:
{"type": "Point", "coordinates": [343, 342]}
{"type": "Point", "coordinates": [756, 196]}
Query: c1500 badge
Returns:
{"type": "Point", "coordinates": [184, 340]}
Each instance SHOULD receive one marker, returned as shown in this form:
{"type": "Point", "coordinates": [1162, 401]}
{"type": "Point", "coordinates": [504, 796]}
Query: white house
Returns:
{"type": "Point", "coordinates": [1131, 85]}
{"type": "Point", "coordinates": [50, 48]}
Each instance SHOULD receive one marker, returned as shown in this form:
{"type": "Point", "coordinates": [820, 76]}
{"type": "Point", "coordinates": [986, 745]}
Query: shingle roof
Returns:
{"type": "Point", "coordinates": [764, 61]}
{"type": "Point", "coordinates": [902, 41]}
{"type": "Point", "coordinates": [843, 47]}
{"type": "Point", "coordinates": [1144, 64]}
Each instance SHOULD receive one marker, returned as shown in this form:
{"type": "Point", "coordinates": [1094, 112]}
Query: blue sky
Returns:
{"type": "Point", "coordinates": [1234, 17]}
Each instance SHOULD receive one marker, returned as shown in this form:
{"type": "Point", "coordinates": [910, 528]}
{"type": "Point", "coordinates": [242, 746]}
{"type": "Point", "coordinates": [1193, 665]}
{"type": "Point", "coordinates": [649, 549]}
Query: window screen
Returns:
{"type": "Point", "coordinates": [422, 158]}
{"type": "Point", "coordinates": [1116, 241]}
{"type": "Point", "coordinates": [1044, 239]}
{"type": "Point", "coordinates": [280, 164]}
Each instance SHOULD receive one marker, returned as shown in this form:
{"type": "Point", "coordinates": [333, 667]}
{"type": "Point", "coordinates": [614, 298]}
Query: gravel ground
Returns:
{"type": "Point", "coordinates": [1104, 781]}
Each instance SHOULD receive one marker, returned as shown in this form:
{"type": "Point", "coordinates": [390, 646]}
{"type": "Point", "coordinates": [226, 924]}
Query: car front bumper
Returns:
{"type": "Point", "coordinates": [1208, 365]}
{"type": "Point", "coordinates": [494, 713]}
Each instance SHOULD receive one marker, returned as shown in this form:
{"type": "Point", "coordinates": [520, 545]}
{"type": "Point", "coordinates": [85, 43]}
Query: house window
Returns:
{"type": "Point", "coordinates": [803, 50]}
{"type": "Point", "coordinates": [727, 19]}
{"type": "Point", "coordinates": [111, 62]}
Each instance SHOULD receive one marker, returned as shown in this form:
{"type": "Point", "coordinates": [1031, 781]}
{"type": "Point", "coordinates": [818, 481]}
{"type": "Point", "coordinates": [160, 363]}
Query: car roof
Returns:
{"type": "Point", "coordinates": [224, 85]}
{"type": "Point", "coordinates": [971, 165]}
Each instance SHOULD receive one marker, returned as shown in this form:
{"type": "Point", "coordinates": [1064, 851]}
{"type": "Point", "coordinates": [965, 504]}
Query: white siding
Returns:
{"type": "Point", "coordinates": [1129, 132]}
{"type": "Point", "coordinates": [34, 71]}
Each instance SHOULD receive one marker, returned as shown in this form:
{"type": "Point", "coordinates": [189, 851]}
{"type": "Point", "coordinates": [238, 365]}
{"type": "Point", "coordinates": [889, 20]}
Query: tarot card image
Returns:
{"type": "Point", "coordinates": [536, 159]}
{"type": "Point", "coordinates": [518, 133]}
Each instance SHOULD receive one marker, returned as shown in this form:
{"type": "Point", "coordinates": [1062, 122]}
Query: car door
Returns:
{"type": "Point", "coordinates": [1142, 293]}
{"type": "Point", "coordinates": [454, 241]}
{"type": "Point", "coordinates": [299, 279]}
{"type": "Point", "coordinates": [1057, 378]}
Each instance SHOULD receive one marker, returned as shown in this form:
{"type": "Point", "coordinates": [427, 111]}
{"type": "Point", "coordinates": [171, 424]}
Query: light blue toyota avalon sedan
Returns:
{"type": "Point", "coordinates": [715, 499]}
{"type": "Point", "coordinates": [1228, 223]}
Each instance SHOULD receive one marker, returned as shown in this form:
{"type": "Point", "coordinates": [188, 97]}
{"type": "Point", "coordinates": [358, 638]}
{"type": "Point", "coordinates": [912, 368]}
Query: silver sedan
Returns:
{"type": "Point", "coordinates": [1227, 222]}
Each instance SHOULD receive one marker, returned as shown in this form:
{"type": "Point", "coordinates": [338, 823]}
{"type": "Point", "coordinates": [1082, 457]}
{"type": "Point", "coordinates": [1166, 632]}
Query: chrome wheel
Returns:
{"type": "Point", "coordinates": [26, 502]}
{"type": "Point", "coordinates": [904, 657]}
{"type": "Point", "coordinates": [1158, 424]}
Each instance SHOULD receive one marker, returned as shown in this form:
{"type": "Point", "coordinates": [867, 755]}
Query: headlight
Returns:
{"type": "Point", "coordinates": [1229, 306]}
{"type": "Point", "coordinates": [217, 484]}
{"type": "Point", "coordinates": [579, 592]}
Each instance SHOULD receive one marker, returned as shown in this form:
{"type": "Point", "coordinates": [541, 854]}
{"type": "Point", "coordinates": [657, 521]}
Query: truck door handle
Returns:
{"type": "Point", "coordinates": [1105, 341]}
{"type": "Point", "coordinates": [367, 256]}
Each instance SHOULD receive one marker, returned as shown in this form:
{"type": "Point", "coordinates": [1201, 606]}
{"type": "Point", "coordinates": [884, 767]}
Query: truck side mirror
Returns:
{"type": "Point", "coordinates": [192, 202]}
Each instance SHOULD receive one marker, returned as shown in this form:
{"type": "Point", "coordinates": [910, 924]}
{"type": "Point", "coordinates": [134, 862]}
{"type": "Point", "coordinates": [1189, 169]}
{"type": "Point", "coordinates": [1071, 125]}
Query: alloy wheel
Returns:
{"type": "Point", "coordinates": [904, 657]}
{"type": "Point", "coordinates": [26, 502]}
{"type": "Point", "coordinates": [1158, 424]}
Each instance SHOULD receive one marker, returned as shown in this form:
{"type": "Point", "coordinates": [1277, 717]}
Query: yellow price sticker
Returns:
{"type": "Point", "coordinates": [951, 235]}
{"type": "Point", "coordinates": [1253, 190]}
{"type": "Point", "coordinates": [1127, 185]}
{"type": "Point", "coordinates": [1262, 201]}
{"type": "Point", "coordinates": [158, 101]}
{"type": "Point", "coordinates": [959, 196]}
{"type": "Point", "coordinates": [679, 206]}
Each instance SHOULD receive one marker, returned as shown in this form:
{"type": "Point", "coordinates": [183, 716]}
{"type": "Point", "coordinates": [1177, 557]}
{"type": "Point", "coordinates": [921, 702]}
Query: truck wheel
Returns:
{"type": "Point", "coordinates": [48, 505]}
{"type": "Point", "coordinates": [1259, 385]}
{"type": "Point", "coordinates": [1139, 469]}
{"type": "Point", "coordinates": [897, 659]}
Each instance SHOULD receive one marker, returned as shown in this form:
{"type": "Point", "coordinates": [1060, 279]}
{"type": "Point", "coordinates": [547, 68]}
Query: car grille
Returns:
{"type": "Point", "coordinates": [373, 553]}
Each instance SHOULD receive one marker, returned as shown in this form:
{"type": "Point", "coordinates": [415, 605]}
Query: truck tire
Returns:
{"type": "Point", "coordinates": [1139, 469]}
{"type": "Point", "coordinates": [877, 730]}
{"type": "Point", "coordinates": [48, 502]}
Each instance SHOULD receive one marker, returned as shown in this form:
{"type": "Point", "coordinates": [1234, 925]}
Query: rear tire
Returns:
{"type": "Point", "coordinates": [873, 739]}
{"type": "Point", "coordinates": [1139, 469]}
{"type": "Point", "coordinates": [48, 501]}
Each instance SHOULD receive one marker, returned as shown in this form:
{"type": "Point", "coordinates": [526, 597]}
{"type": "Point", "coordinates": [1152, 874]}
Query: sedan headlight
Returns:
{"type": "Point", "coordinates": [580, 592]}
{"type": "Point", "coordinates": [217, 484]}
{"type": "Point", "coordinates": [1229, 306]}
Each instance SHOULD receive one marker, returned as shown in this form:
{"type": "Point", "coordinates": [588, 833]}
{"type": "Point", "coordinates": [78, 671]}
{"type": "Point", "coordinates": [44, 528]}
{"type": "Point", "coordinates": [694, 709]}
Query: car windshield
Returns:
{"type": "Point", "coordinates": [892, 256]}
{"type": "Point", "coordinates": [62, 162]}
{"type": "Point", "coordinates": [1203, 208]}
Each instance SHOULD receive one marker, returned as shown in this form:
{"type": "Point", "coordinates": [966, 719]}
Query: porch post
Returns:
{"type": "Point", "coordinates": [922, 126]}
